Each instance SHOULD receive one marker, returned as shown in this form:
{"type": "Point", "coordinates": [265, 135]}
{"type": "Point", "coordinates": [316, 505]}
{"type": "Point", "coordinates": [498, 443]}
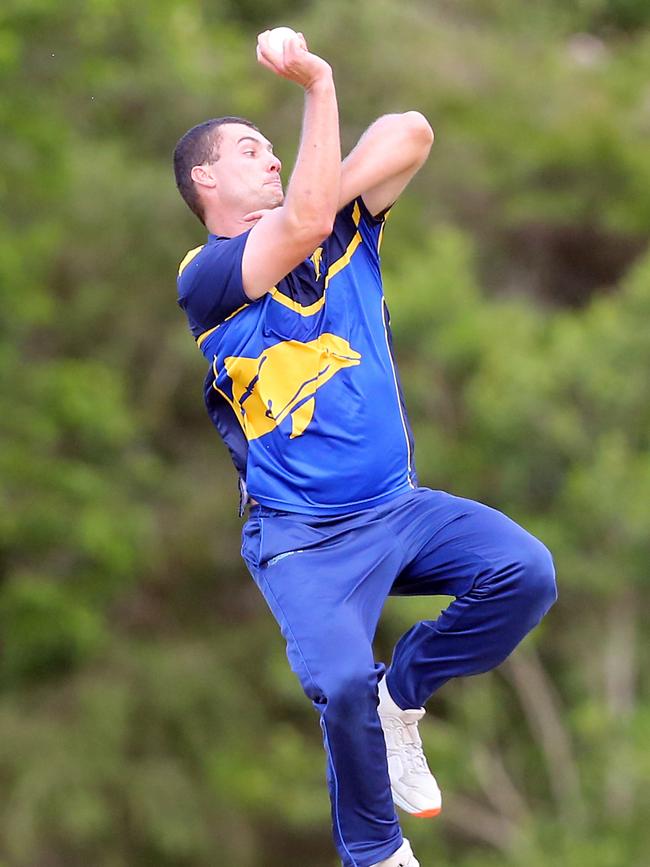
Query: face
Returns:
{"type": "Point", "coordinates": [247, 173]}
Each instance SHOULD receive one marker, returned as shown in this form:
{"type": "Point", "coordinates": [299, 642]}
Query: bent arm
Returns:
{"type": "Point", "coordinates": [385, 159]}
{"type": "Point", "coordinates": [286, 235]}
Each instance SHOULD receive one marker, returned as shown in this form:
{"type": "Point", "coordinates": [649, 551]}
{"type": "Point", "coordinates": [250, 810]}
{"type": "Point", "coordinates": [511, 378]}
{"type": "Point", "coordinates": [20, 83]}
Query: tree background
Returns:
{"type": "Point", "coordinates": [147, 713]}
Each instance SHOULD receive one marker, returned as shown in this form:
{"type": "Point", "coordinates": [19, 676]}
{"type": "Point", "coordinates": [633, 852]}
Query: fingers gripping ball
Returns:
{"type": "Point", "coordinates": [277, 38]}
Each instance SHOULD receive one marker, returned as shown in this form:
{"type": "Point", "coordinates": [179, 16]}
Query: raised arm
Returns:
{"type": "Point", "coordinates": [285, 236]}
{"type": "Point", "coordinates": [385, 159]}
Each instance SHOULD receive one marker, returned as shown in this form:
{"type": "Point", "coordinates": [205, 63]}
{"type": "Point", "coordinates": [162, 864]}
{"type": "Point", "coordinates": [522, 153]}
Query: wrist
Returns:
{"type": "Point", "coordinates": [321, 83]}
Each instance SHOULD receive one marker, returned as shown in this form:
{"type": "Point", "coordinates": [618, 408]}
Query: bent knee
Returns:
{"type": "Point", "coordinates": [536, 585]}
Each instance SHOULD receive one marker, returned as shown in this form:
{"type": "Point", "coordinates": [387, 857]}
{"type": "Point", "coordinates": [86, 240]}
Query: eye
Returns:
{"type": "Point", "coordinates": [249, 153]}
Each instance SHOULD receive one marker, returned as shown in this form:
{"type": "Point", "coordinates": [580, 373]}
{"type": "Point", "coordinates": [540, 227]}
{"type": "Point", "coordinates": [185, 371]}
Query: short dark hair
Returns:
{"type": "Point", "coordinates": [199, 145]}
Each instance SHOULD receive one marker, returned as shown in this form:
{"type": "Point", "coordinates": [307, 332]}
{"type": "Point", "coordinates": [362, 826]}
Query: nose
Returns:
{"type": "Point", "coordinates": [274, 164]}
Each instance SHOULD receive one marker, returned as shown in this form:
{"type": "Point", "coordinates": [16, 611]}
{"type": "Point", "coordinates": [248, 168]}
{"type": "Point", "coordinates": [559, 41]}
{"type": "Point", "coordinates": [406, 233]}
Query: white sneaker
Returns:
{"type": "Point", "coordinates": [413, 785]}
{"type": "Point", "coordinates": [404, 857]}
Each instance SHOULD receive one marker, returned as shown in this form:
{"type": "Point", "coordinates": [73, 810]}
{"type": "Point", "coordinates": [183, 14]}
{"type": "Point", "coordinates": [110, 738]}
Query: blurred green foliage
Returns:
{"type": "Point", "coordinates": [147, 713]}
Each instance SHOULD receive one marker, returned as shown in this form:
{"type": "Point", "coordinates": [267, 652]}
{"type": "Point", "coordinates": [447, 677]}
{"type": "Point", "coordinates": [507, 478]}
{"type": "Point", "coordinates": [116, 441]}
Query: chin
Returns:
{"type": "Point", "coordinates": [274, 195]}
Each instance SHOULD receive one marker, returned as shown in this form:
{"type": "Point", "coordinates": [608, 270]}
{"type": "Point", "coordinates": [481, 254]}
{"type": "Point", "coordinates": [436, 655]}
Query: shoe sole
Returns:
{"type": "Point", "coordinates": [428, 814]}
{"type": "Point", "coordinates": [419, 814]}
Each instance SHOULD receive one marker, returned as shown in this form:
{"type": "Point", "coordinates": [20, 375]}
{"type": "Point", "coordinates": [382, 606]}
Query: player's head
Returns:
{"type": "Point", "coordinates": [226, 163]}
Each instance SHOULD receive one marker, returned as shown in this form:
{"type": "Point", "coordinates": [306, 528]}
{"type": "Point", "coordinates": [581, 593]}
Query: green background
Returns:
{"type": "Point", "coordinates": [147, 713]}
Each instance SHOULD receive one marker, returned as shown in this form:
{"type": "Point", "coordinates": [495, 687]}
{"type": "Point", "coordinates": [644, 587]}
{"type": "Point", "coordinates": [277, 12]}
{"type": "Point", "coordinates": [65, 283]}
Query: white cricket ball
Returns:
{"type": "Point", "coordinates": [277, 37]}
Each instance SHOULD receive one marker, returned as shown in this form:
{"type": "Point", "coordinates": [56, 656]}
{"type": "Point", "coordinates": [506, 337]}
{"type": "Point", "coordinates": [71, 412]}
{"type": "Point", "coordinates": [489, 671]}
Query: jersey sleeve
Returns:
{"type": "Point", "coordinates": [354, 223]}
{"type": "Point", "coordinates": [371, 227]}
{"type": "Point", "coordinates": [210, 284]}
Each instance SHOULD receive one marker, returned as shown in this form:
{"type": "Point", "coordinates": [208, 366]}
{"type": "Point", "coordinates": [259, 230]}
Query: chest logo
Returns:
{"type": "Point", "coordinates": [316, 257]}
{"type": "Point", "coordinates": [282, 382]}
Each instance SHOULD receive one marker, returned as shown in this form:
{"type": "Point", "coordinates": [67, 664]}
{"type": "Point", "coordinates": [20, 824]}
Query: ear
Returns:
{"type": "Point", "coordinates": [202, 175]}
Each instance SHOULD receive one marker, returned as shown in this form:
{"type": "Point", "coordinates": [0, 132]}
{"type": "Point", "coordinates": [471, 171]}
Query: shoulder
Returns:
{"type": "Point", "coordinates": [189, 257]}
{"type": "Point", "coordinates": [217, 259]}
{"type": "Point", "coordinates": [210, 285]}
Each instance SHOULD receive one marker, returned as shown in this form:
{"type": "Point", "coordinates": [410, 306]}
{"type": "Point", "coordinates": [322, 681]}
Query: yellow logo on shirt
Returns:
{"type": "Point", "coordinates": [316, 257]}
{"type": "Point", "coordinates": [283, 381]}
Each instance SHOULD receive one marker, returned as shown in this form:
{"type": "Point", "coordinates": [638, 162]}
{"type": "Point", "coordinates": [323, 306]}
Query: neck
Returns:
{"type": "Point", "coordinates": [229, 227]}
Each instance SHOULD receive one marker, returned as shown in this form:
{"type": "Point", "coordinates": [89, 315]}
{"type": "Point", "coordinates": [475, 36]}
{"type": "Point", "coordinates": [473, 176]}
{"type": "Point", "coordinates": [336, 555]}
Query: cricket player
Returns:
{"type": "Point", "coordinates": [285, 301]}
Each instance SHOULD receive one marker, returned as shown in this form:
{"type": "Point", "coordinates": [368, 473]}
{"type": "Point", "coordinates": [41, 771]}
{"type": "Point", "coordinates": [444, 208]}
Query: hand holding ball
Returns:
{"type": "Point", "coordinates": [285, 53]}
{"type": "Point", "coordinates": [277, 37]}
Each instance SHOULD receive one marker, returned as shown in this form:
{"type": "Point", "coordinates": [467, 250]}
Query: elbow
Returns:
{"type": "Point", "coordinates": [324, 228]}
{"type": "Point", "coordinates": [312, 230]}
{"type": "Point", "coordinates": [418, 129]}
{"type": "Point", "coordinates": [316, 233]}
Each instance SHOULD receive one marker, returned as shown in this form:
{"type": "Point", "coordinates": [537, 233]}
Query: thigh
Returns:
{"type": "Point", "coordinates": [325, 583]}
{"type": "Point", "coordinates": [453, 543]}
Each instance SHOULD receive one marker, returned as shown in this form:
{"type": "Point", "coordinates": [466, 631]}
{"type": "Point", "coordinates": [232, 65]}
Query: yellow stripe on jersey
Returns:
{"type": "Point", "coordinates": [383, 226]}
{"type": "Point", "coordinates": [332, 271]}
{"type": "Point", "coordinates": [341, 263]}
{"type": "Point", "coordinates": [205, 334]}
{"type": "Point", "coordinates": [309, 310]}
{"type": "Point", "coordinates": [188, 258]}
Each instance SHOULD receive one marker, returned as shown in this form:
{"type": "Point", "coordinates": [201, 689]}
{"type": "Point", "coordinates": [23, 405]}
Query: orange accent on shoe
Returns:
{"type": "Point", "coordinates": [428, 814]}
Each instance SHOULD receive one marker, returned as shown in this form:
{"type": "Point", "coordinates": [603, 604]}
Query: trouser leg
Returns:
{"type": "Point", "coordinates": [327, 595]}
{"type": "Point", "coordinates": [503, 580]}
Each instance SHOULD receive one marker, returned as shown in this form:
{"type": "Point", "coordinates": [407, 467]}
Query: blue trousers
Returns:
{"type": "Point", "coordinates": [326, 580]}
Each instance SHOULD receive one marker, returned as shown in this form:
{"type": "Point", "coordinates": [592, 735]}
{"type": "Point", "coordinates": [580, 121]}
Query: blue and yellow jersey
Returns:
{"type": "Point", "coordinates": [302, 384]}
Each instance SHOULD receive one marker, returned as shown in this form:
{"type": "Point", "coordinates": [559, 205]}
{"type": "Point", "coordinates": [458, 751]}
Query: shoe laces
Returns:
{"type": "Point", "coordinates": [407, 739]}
